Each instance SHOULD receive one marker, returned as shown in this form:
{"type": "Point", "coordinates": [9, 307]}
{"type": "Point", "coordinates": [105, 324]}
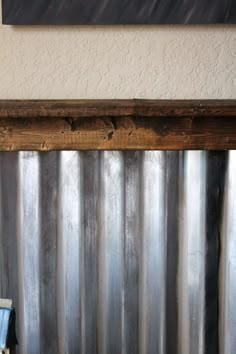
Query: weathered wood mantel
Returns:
{"type": "Point", "coordinates": [45, 125]}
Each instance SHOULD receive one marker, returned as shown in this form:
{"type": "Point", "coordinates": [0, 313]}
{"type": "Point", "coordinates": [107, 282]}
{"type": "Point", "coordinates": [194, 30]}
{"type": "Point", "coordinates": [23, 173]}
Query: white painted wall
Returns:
{"type": "Point", "coordinates": [118, 62]}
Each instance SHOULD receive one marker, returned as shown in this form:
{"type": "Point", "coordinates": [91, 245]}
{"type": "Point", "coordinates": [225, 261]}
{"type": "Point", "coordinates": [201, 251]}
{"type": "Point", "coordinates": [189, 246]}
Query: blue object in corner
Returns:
{"type": "Point", "coordinates": [4, 326]}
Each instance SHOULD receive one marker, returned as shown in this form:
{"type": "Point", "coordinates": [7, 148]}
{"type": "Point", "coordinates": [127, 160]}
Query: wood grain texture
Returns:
{"type": "Point", "coordinates": [117, 125]}
{"type": "Point", "coordinates": [124, 108]}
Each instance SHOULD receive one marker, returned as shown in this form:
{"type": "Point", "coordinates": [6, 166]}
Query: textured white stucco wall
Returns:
{"type": "Point", "coordinates": [118, 62]}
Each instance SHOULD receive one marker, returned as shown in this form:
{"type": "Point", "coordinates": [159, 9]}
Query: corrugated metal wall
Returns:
{"type": "Point", "coordinates": [120, 253]}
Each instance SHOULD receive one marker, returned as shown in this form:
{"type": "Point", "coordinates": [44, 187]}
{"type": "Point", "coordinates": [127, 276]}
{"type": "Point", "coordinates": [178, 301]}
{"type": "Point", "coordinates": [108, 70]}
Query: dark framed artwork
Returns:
{"type": "Point", "coordinates": [35, 12]}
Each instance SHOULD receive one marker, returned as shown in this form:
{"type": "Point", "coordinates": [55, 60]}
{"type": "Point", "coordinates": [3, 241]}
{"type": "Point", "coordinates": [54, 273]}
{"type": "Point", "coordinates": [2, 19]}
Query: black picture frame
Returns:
{"type": "Point", "coordinates": [118, 12]}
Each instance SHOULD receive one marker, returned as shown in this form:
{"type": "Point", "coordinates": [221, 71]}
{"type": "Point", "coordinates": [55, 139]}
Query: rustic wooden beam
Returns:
{"type": "Point", "coordinates": [121, 108]}
{"type": "Point", "coordinates": [117, 125]}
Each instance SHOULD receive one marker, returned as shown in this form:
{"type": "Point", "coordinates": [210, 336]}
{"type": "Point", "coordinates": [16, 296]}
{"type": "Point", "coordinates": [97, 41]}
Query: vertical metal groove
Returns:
{"type": "Point", "coordinates": [153, 266]}
{"type": "Point", "coordinates": [118, 252]}
{"type": "Point", "coordinates": [132, 161]}
{"type": "Point", "coordinates": [48, 252]}
{"type": "Point", "coordinates": [192, 253]}
{"type": "Point", "coordinates": [8, 234]}
{"type": "Point", "coordinates": [227, 325]}
{"type": "Point", "coordinates": [29, 246]}
{"type": "Point", "coordinates": [111, 253]}
{"type": "Point", "coordinates": [89, 249]}
{"type": "Point", "coordinates": [216, 167]}
{"type": "Point", "coordinates": [70, 234]}
{"type": "Point", "coordinates": [172, 251]}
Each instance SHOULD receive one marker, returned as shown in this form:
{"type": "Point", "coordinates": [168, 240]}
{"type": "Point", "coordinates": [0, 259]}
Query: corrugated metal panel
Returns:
{"type": "Point", "coordinates": [120, 252]}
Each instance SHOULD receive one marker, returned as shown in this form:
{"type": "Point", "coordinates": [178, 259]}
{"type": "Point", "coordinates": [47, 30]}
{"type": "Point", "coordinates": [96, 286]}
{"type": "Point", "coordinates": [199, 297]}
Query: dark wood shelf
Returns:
{"type": "Point", "coordinates": [46, 125]}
